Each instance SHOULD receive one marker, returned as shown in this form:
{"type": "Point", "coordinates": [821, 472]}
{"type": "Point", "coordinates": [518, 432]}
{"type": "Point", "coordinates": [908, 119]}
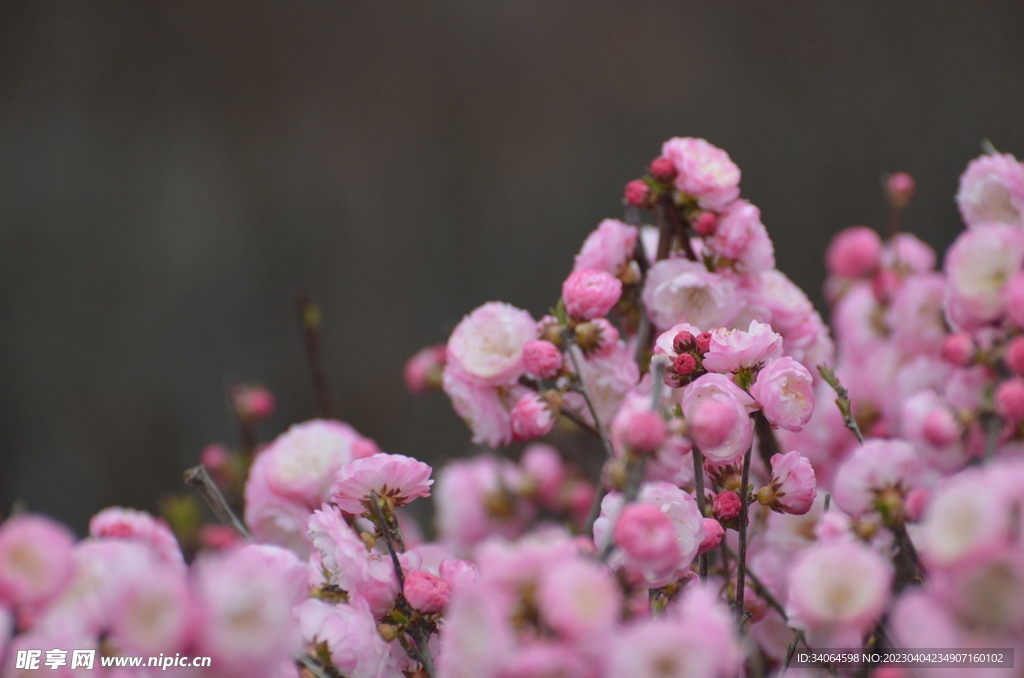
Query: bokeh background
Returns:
{"type": "Point", "coordinates": [172, 174]}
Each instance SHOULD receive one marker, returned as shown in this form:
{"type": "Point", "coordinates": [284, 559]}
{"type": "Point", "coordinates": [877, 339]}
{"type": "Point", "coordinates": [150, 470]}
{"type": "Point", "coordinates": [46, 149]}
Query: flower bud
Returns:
{"type": "Point", "coordinates": [645, 432]}
{"type": "Point", "coordinates": [596, 337]}
{"type": "Point", "coordinates": [683, 342]}
{"type": "Point", "coordinates": [531, 418]}
{"type": "Point", "coordinates": [706, 224]}
{"type": "Point", "coordinates": [662, 170]}
{"type": "Point", "coordinates": [958, 349]}
{"type": "Point", "coordinates": [899, 189]}
{"type": "Point", "coordinates": [713, 534]}
{"type": "Point", "coordinates": [252, 403]}
{"type": "Point", "coordinates": [1014, 356]}
{"type": "Point", "coordinates": [1009, 400]}
{"type": "Point", "coordinates": [646, 535]}
{"type": "Point", "coordinates": [726, 506]}
{"type": "Point", "coordinates": [426, 593]}
{"type": "Point", "coordinates": [542, 359]}
{"type": "Point", "coordinates": [702, 342]}
{"type": "Point", "coordinates": [854, 253]}
{"type": "Point", "coordinates": [637, 192]}
{"type": "Point", "coordinates": [590, 294]}
{"type": "Point", "coordinates": [684, 364]}
{"type": "Point", "coordinates": [941, 427]}
{"type": "Point", "coordinates": [423, 371]}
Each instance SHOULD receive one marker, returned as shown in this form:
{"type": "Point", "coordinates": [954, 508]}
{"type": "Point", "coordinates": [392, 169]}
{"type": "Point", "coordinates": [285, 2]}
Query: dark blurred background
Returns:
{"type": "Point", "coordinates": [172, 174]}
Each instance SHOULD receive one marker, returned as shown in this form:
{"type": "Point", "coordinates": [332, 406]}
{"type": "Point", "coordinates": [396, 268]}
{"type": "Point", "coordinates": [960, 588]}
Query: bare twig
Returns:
{"type": "Point", "coordinates": [759, 586]}
{"type": "Point", "coordinates": [741, 566]}
{"type": "Point", "coordinates": [842, 401]}
{"type": "Point", "coordinates": [199, 478]}
{"type": "Point", "coordinates": [790, 651]}
{"type": "Point", "coordinates": [698, 482]}
{"type": "Point", "coordinates": [309, 323]}
{"type": "Point", "coordinates": [767, 443]}
{"type": "Point", "coordinates": [671, 224]}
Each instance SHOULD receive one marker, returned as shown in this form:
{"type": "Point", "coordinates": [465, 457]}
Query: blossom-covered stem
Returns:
{"type": "Point", "coordinates": [842, 400]}
{"type": "Point", "coordinates": [671, 225]}
{"type": "Point", "coordinates": [698, 481]}
{"type": "Point", "coordinates": [309, 323]}
{"type": "Point", "coordinates": [199, 478]}
{"type": "Point", "coordinates": [767, 443]}
{"type": "Point", "coordinates": [609, 451]}
{"type": "Point", "coordinates": [741, 561]}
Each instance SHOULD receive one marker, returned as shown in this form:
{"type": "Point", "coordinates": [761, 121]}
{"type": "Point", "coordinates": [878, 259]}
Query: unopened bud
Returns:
{"type": "Point", "coordinates": [959, 350]}
{"type": "Point", "coordinates": [726, 506]}
{"type": "Point", "coordinates": [252, 403]}
{"type": "Point", "coordinates": [637, 193]}
{"type": "Point", "coordinates": [683, 342]}
{"type": "Point", "coordinates": [703, 342]}
{"type": "Point", "coordinates": [684, 364]}
{"type": "Point", "coordinates": [662, 170]}
{"type": "Point", "coordinates": [387, 631]}
{"type": "Point", "coordinates": [706, 224]}
{"type": "Point", "coordinates": [899, 189]}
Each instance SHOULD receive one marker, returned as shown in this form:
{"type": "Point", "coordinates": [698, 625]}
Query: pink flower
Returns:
{"type": "Point", "coordinates": [531, 418]}
{"type": "Point", "coordinates": [1009, 400]}
{"type": "Point", "coordinates": [590, 294]}
{"type": "Point", "coordinates": [906, 252]}
{"type": "Point", "coordinates": [609, 379]}
{"type": "Point", "coordinates": [350, 634]}
{"type": "Point", "coordinates": [647, 538]}
{"type": "Point", "coordinates": [637, 192]}
{"type": "Point", "coordinates": [609, 248]}
{"type": "Point", "coordinates": [682, 291]}
{"type": "Point", "coordinates": [717, 412]}
{"type": "Point", "coordinates": [422, 372]}
{"type": "Point", "coordinates": [958, 349]}
{"type": "Point", "coordinates": [246, 599]}
{"type": "Point", "coordinates": [1015, 299]}
{"type": "Point", "coordinates": [300, 463]}
{"type": "Point", "coordinates": [542, 359]}
{"type": "Point", "coordinates": [992, 189]}
{"type": "Point", "coordinates": [475, 498]}
{"type": "Point", "coordinates": [477, 639]}
{"type": "Point", "coordinates": [838, 590]}
{"type": "Point", "coordinates": [487, 346]}
{"type": "Point", "coordinates": [597, 338]}
{"type": "Point", "coordinates": [705, 171]}
{"type": "Point", "coordinates": [792, 488]}
{"type": "Point", "coordinates": [427, 593]}
{"type": "Point", "coordinates": [1013, 356]}
{"type": "Point", "coordinates": [121, 523]}
{"type": "Point", "coordinates": [742, 237]}
{"type": "Point", "coordinates": [666, 343]}
{"type": "Point", "coordinates": [546, 658]}
{"type": "Point", "coordinates": [785, 390]}
{"type": "Point", "coordinates": [917, 316]}
{"type": "Point", "coordinates": [153, 610]}
{"type": "Point", "coordinates": [395, 478]}
{"type": "Point", "coordinates": [874, 468]}
{"type": "Point", "coordinates": [682, 511]}
{"type": "Point", "coordinates": [732, 350]}
{"type": "Point", "coordinates": [542, 465]}
{"type": "Point", "coordinates": [580, 599]}
{"type": "Point", "coordinates": [481, 407]}
{"type": "Point", "coordinates": [693, 640]}
{"type": "Point", "coordinates": [900, 188]}
{"type": "Point", "coordinates": [979, 265]}
{"type": "Point", "coordinates": [854, 253]}
{"type": "Point", "coordinates": [35, 560]}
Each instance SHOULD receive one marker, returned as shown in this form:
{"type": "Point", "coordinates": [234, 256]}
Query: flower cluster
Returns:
{"type": "Point", "coordinates": [752, 487]}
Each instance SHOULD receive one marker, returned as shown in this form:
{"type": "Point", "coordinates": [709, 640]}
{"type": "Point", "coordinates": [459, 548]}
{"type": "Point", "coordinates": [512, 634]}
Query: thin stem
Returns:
{"type": "Point", "coordinates": [309, 323]}
{"type": "Point", "coordinates": [199, 478]}
{"type": "Point", "coordinates": [767, 443]}
{"type": "Point", "coordinates": [608, 449]}
{"type": "Point", "coordinates": [791, 650]}
{"type": "Point", "coordinates": [993, 426]}
{"type": "Point", "coordinates": [741, 566]}
{"type": "Point", "coordinates": [759, 586]}
{"type": "Point", "coordinates": [385, 531]}
{"type": "Point", "coordinates": [670, 215]}
{"type": "Point", "coordinates": [906, 545]}
{"type": "Point", "coordinates": [698, 482]}
{"type": "Point", "coordinates": [842, 400]}
{"type": "Point", "coordinates": [579, 421]}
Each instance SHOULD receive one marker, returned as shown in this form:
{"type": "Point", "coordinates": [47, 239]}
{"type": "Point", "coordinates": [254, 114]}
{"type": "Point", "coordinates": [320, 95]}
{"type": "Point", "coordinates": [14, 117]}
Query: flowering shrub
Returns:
{"type": "Point", "coordinates": [762, 490]}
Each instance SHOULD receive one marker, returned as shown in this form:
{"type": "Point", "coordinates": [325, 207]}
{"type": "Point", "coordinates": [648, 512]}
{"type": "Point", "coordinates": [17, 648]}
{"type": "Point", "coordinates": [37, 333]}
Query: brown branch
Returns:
{"type": "Point", "coordinates": [309, 323]}
{"type": "Point", "coordinates": [199, 478]}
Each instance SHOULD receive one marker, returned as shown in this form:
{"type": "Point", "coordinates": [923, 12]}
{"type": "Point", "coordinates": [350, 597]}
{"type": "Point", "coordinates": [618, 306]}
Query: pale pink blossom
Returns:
{"type": "Point", "coordinates": [348, 564]}
{"type": "Point", "coordinates": [477, 640]}
{"type": "Point", "coordinates": [917, 317]}
{"type": "Point", "coordinates": [246, 600]}
{"type": "Point", "coordinates": [531, 418]}
{"type": "Point", "coordinates": [608, 248]}
{"type": "Point", "coordinates": [906, 252]}
{"type": "Point", "coordinates": [959, 349]}
{"type": "Point", "coordinates": [609, 379]}
{"type": "Point", "coordinates": [1015, 299]}
{"type": "Point", "coordinates": [350, 634]}
{"type": "Point", "coordinates": [299, 464]}
{"type": "Point", "coordinates": [426, 593]}
{"type": "Point", "coordinates": [271, 518]}
{"type": "Point", "coordinates": [979, 264]}
{"type": "Point", "coordinates": [741, 237]}
{"type": "Point", "coordinates": [683, 291]}
{"type": "Point", "coordinates": [422, 372]}
{"type": "Point", "coordinates": [732, 350]}
{"type": "Point", "coordinates": [717, 412]}
{"type": "Point", "coordinates": [542, 359]}
{"type": "Point", "coordinates": [992, 189]}
{"type": "Point", "coordinates": [793, 487]}
{"type": "Point", "coordinates": [695, 640]}
{"type": "Point", "coordinates": [647, 538]}
{"type": "Point", "coordinates": [920, 619]}
{"type": "Point", "coordinates": [487, 346]}
{"type": "Point", "coordinates": [542, 465]}
{"type": "Point", "coordinates": [394, 478]}
{"type": "Point", "coordinates": [875, 467]}
{"type": "Point", "coordinates": [590, 294]}
{"type": "Point", "coordinates": [645, 432]}
{"type": "Point", "coordinates": [679, 507]}
{"type": "Point", "coordinates": [933, 426]}
{"type": "Point", "coordinates": [785, 390]}
{"type": "Point", "coordinates": [475, 498]}
{"type": "Point", "coordinates": [854, 253]}
{"type": "Point", "coordinates": [704, 171]}
{"type": "Point", "coordinates": [838, 590]}
{"type": "Point", "coordinates": [483, 408]}
{"type": "Point", "coordinates": [548, 659]}
{"type": "Point", "coordinates": [125, 523]}
{"type": "Point", "coordinates": [36, 561]}
{"type": "Point", "coordinates": [580, 599]}
{"type": "Point", "coordinates": [152, 610]}
{"type": "Point", "coordinates": [1009, 400]}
